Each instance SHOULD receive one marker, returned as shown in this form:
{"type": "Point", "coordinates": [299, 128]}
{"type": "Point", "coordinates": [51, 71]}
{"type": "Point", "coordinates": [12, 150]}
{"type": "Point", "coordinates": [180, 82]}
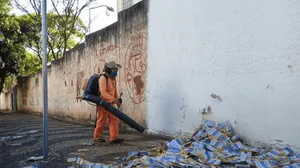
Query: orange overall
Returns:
{"type": "Point", "coordinates": [108, 90]}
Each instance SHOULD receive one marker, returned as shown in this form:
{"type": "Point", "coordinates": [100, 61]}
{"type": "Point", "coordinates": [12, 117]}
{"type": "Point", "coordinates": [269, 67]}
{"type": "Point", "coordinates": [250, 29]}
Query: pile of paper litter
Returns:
{"type": "Point", "coordinates": [211, 146]}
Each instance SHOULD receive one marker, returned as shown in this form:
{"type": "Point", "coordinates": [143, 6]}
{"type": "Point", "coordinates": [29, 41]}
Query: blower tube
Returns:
{"type": "Point", "coordinates": [114, 111]}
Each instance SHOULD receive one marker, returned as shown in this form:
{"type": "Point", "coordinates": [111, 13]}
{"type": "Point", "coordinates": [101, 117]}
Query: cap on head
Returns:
{"type": "Point", "coordinates": [113, 64]}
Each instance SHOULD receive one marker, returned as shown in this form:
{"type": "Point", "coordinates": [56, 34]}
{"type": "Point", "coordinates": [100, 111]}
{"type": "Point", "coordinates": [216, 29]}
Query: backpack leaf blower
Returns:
{"type": "Point", "coordinates": [91, 94]}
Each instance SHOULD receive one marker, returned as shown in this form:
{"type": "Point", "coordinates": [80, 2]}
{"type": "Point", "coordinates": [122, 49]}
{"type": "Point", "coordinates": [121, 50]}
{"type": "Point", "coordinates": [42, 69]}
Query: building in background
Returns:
{"type": "Point", "coordinates": [124, 4]}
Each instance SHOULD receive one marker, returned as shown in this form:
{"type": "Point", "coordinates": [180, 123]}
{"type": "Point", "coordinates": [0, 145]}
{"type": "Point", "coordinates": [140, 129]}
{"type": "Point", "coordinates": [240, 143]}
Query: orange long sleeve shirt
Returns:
{"type": "Point", "coordinates": [108, 89]}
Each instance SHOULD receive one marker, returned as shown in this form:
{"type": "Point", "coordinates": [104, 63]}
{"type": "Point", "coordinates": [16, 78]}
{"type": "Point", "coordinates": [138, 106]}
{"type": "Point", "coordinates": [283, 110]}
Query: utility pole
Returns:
{"type": "Point", "coordinates": [45, 80]}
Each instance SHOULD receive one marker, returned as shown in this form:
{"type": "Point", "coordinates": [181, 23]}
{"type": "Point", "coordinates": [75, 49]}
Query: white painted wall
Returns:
{"type": "Point", "coordinates": [248, 52]}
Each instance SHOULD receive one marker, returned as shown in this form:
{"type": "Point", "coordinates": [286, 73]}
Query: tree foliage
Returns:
{"type": "Point", "coordinates": [11, 43]}
{"type": "Point", "coordinates": [21, 40]}
{"type": "Point", "coordinates": [65, 28]}
{"type": "Point", "coordinates": [30, 65]}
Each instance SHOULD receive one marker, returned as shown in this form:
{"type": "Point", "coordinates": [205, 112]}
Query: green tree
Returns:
{"type": "Point", "coordinates": [17, 33]}
{"type": "Point", "coordinates": [11, 43]}
{"type": "Point", "coordinates": [65, 28]}
{"type": "Point", "coordinates": [30, 65]}
{"type": "Point", "coordinates": [61, 35]}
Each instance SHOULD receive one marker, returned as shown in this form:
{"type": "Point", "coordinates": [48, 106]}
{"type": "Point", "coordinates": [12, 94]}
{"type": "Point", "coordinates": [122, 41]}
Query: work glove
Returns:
{"type": "Point", "coordinates": [116, 101]}
{"type": "Point", "coordinates": [120, 100]}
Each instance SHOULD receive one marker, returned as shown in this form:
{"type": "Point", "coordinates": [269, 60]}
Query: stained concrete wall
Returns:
{"type": "Point", "coordinates": [245, 51]}
{"type": "Point", "coordinates": [125, 42]}
{"type": "Point", "coordinates": [5, 101]}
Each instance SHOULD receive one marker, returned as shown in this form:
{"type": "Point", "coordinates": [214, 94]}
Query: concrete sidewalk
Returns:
{"type": "Point", "coordinates": [21, 136]}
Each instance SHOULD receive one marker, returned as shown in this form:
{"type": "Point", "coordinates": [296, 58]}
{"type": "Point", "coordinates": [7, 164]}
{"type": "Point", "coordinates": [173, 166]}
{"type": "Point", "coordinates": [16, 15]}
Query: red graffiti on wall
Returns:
{"type": "Point", "coordinates": [108, 49]}
{"type": "Point", "coordinates": [102, 54]}
{"type": "Point", "coordinates": [135, 68]}
{"type": "Point", "coordinates": [140, 27]}
{"type": "Point", "coordinates": [99, 62]}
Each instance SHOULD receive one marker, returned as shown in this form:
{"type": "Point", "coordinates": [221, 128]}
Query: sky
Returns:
{"type": "Point", "coordinates": [99, 19]}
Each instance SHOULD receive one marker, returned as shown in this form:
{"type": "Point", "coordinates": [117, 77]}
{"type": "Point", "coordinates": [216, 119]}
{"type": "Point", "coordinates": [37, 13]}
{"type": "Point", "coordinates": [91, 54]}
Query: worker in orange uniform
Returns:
{"type": "Point", "coordinates": [108, 91]}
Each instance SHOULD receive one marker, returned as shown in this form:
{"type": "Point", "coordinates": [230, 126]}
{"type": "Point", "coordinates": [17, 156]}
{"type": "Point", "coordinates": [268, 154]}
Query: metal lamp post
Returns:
{"type": "Point", "coordinates": [45, 79]}
{"type": "Point", "coordinates": [107, 7]}
{"type": "Point", "coordinates": [44, 70]}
